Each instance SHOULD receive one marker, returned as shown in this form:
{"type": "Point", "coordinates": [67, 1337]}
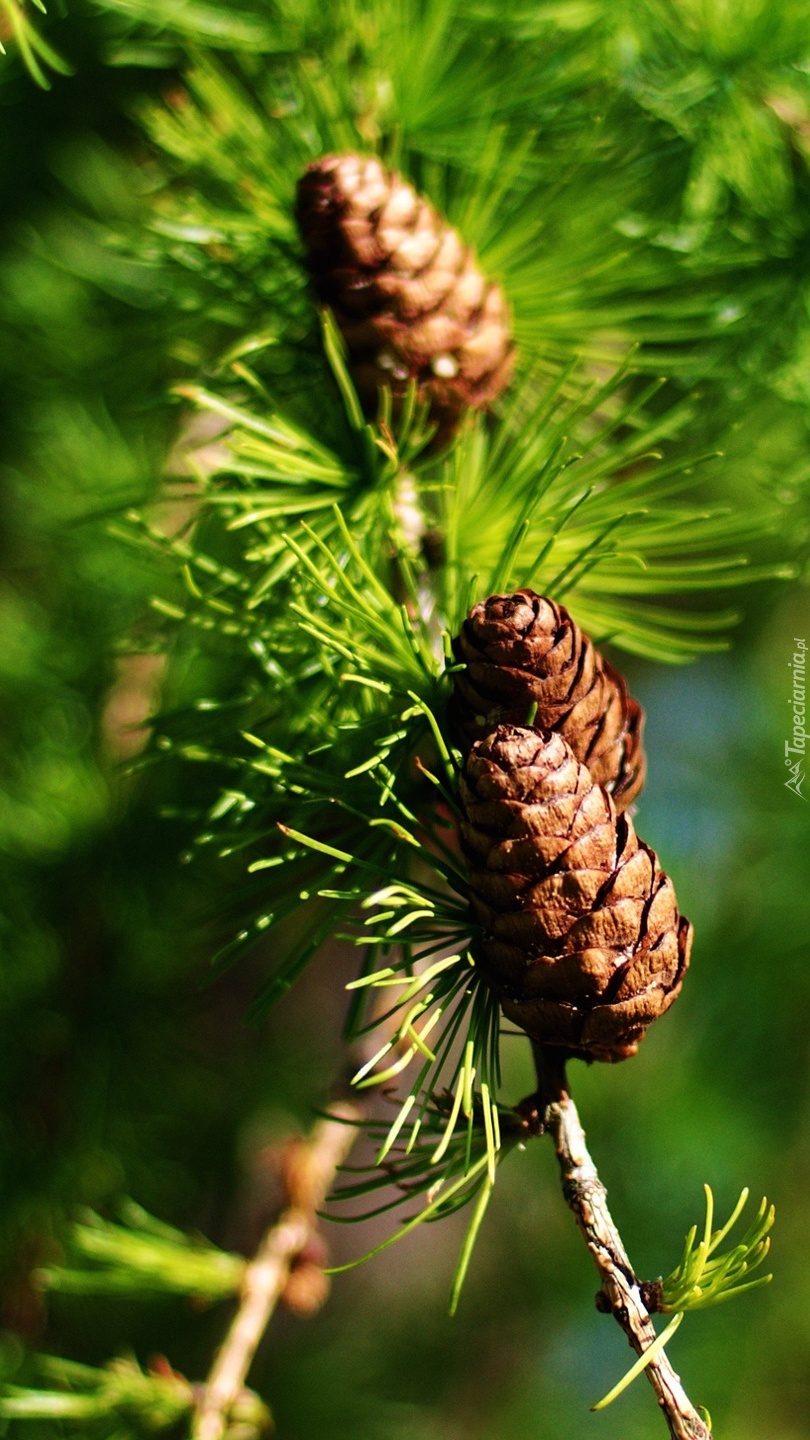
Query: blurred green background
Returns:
{"type": "Point", "coordinates": [122, 1073]}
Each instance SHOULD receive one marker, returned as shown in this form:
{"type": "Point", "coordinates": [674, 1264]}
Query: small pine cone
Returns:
{"type": "Point", "coordinates": [523, 649]}
{"type": "Point", "coordinates": [581, 938]}
{"type": "Point", "coordinates": [406, 291]}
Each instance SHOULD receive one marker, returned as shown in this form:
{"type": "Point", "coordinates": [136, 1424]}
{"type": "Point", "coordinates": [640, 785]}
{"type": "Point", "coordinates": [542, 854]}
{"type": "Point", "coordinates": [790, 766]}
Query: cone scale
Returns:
{"type": "Point", "coordinates": [406, 291]}
{"type": "Point", "coordinates": [580, 933]}
{"type": "Point", "coordinates": [522, 651]}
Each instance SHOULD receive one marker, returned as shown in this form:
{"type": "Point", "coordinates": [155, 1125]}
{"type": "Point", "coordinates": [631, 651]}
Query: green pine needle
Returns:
{"type": "Point", "coordinates": [700, 1280]}
{"type": "Point", "coordinates": [641, 1364]}
{"type": "Point", "coordinates": [35, 52]}
{"type": "Point", "coordinates": [704, 1278]}
{"type": "Point", "coordinates": [142, 1256]}
{"type": "Point", "coordinates": [460, 1171]}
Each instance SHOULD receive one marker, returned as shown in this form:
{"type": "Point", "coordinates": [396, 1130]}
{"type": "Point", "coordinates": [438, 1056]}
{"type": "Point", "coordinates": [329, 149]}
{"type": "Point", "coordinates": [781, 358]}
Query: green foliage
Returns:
{"type": "Point", "coordinates": [594, 522]}
{"type": "Point", "coordinates": [340, 779]}
{"type": "Point", "coordinates": [731, 81]}
{"type": "Point", "coordinates": [636, 177]}
{"type": "Point", "coordinates": [334, 795]}
{"type": "Point", "coordinates": [699, 1280]}
{"type": "Point", "coordinates": [142, 1256]}
{"type": "Point", "coordinates": [450, 1166]}
{"type": "Point", "coordinates": [102, 1401]}
{"type": "Point", "coordinates": [35, 52]}
{"type": "Point", "coordinates": [586, 278]}
{"type": "Point", "coordinates": [121, 1400]}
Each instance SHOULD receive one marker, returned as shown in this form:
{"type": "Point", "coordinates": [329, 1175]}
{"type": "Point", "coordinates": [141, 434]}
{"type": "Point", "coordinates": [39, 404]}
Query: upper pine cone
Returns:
{"type": "Point", "coordinates": [582, 938]}
{"type": "Point", "coordinates": [406, 291]}
{"type": "Point", "coordinates": [522, 649]}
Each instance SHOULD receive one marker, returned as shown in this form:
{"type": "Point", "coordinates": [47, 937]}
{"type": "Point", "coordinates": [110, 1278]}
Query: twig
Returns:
{"type": "Point", "coordinates": [309, 1178]}
{"type": "Point", "coordinates": [586, 1196]}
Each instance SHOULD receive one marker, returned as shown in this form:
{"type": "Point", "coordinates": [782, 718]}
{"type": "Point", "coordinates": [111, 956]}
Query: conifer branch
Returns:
{"type": "Point", "coordinates": [554, 1111]}
{"type": "Point", "coordinates": [309, 1177]}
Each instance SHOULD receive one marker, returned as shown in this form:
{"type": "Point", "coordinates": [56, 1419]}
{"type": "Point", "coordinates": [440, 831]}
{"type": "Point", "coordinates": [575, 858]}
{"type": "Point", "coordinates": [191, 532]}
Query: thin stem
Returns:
{"type": "Point", "coordinates": [586, 1196]}
{"type": "Point", "coordinates": [308, 1181]}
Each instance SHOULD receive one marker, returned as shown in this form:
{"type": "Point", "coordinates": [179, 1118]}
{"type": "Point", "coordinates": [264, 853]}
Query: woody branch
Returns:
{"type": "Point", "coordinates": [309, 1177]}
{"type": "Point", "coordinates": [553, 1110]}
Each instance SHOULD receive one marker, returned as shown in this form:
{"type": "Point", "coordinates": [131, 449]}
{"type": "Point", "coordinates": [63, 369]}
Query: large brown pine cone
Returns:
{"type": "Point", "coordinates": [521, 650]}
{"type": "Point", "coordinates": [581, 936]}
{"type": "Point", "coordinates": [406, 291]}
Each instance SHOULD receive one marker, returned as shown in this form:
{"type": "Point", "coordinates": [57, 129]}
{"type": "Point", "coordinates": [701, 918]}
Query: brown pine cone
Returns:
{"type": "Point", "coordinates": [522, 649]}
{"type": "Point", "coordinates": [406, 291]}
{"type": "Point", "coordinates": [581, 937]}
